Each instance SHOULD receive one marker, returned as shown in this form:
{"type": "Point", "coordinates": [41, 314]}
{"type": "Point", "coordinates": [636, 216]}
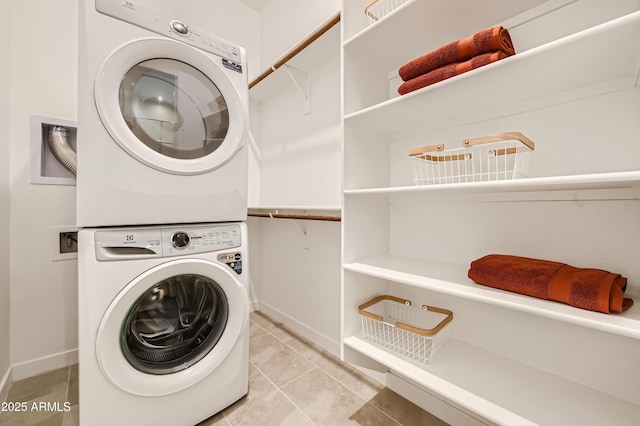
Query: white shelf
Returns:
{"type": "Point", "coordinates": [619, 185]}
{"type": "Point", "coordinates": [598, 60]}
{"type": "Point", "coordinates": [452, 280]}
{"type": "Point", "coordinates": [419, 24]}
{"type": "Point", "coordinates": [503, 391]}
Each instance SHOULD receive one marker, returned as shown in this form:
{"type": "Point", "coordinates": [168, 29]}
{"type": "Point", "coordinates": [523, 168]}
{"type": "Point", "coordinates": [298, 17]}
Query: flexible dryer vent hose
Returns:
{"type": "Point", "coordinates": [58, 140]}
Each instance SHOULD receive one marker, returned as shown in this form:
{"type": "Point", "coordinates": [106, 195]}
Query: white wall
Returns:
{"type": "Point", "coordinates": [285, 22]}
{"type": "Point", "coordinates": [298, 273]}
{"type": "Point", "coordinates": [300, 277]}
{"type": "Point", "coordinates": [5, 121]}
{"type": "Point", "coordinates": [43, 321]}
{"type": "Point", "coordinates": [43, 293]}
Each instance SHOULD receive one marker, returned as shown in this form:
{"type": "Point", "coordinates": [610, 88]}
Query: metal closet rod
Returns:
{"type": "Point", "coordinates": [304, 216]}
{"type": "Point", "coordinates": [298, 48]}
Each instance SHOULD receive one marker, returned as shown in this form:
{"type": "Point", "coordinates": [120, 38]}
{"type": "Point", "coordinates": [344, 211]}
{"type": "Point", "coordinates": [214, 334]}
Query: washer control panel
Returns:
{"type": "Point", "coordinates": [178, 241]}
{"type": "Point", "coordinates": [142, 243]}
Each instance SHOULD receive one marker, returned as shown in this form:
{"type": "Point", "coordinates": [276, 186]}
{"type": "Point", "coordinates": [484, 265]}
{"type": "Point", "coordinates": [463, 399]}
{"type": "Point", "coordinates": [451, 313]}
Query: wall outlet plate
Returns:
{"type": "Point", "coordinates": [64, 243]}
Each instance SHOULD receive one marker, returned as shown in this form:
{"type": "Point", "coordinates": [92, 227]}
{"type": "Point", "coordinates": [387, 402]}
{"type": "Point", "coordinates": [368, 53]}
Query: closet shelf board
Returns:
{"type": "Point", "coordinates": [452, 280]}
{"type": "Point", "coordinates": [619, 185]}
{"type": "Point", "coordinates": [420, 22]}
{"type": "Point", "coordinates": [504, 391]}
{"type": "Point", "coordinates": [598, 60]}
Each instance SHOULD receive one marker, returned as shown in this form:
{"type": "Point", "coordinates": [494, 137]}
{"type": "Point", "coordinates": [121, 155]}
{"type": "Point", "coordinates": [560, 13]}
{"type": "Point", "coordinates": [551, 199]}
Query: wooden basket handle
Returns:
{"type": "Point", "coordinates": [421, 150]}
{"type": "Point", "coordinates": [416, 330]}
{"type": "Point", "coordinates": [361, 308]}
{"type": "Point", "coordinates": [506, 136]}
{"type": "Point", "coordinates": [429, 331]}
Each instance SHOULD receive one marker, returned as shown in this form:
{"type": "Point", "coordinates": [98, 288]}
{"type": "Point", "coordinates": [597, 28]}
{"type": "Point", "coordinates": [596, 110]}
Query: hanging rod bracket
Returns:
{"type": "Point", "coordinates": [300, 80]}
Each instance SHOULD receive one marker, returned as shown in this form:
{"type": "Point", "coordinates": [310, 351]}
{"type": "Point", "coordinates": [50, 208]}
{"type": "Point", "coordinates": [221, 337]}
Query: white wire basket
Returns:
{"type": "Point", "coordinates": [377, 9]}
{"type": "Point", "coordinates": [392, 322]}
{"type": "Point", "coordinates": [487, 158]}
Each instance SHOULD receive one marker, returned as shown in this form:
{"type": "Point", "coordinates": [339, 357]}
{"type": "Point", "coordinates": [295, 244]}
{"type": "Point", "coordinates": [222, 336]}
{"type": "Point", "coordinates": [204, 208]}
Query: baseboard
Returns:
{"type": "Point", "coordinates": [42, 365]}
{"type": "Point", "coordinates": [304, 330]}
{"type": "Point", "coordinates": [5, 385]}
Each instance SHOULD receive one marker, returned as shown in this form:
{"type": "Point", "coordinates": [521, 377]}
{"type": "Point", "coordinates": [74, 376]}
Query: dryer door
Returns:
{"type": "Point", "coordinates": [171, 326]}
{"type": "Point", "coordinates": [170, 106]}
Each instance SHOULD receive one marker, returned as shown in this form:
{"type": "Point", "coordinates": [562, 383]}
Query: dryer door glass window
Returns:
{"type": "Point", "coordinates": [174, 324]}
{"type": "Point", "coordinates": [173, 108]}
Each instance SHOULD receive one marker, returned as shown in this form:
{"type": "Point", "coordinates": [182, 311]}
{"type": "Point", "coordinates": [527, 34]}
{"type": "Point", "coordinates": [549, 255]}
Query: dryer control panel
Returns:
{"type": "Point", "coordinates": [143, 243]}
{"type": "Point", "coordinates": [134, 14]}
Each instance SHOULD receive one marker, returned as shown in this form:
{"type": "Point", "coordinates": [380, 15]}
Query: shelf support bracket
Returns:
{"type": "Point", "coordinates": [301, 82]}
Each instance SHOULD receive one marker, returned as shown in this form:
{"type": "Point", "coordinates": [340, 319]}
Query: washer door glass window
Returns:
{"type": "Point", "coordinates": [174, 324]}
{"type": "Point", "coordinates": [173, 108]}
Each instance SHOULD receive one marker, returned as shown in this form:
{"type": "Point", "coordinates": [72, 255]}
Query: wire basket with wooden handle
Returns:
{"type": "Point", "coordinates": [501, 156]}
{"type": "Point", "coordinates": [392, 322]}
{"type": "Point", "coordinates": [377, 9]}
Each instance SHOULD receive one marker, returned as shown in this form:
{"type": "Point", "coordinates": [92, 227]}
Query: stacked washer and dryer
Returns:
{"type": "Point", "coordinates": [161, 207]}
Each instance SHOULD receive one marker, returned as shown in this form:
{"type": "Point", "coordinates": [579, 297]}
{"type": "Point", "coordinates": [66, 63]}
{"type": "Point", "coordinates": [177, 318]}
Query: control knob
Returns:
{"type": "Point", "coordinates": [179, 27]}
{"type": "Point", "coordinates": [180, 239]}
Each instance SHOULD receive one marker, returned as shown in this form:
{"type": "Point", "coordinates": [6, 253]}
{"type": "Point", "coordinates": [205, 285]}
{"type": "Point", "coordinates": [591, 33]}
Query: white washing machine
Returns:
{"type": "Point", "coordinates": [163, 323]}
{"type": "Point", "coordinates": [162, 120]}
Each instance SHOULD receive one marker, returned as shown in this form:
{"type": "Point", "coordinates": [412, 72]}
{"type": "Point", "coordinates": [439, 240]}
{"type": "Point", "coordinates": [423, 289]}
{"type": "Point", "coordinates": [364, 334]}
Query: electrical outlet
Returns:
{"type": "Point", "coordinates": [68, 242]}
{"type": "Point", "coordinates": [64, 243]}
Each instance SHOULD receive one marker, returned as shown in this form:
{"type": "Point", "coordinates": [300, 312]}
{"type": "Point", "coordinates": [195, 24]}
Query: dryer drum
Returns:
{"type": "Point", "coordinates": [174, 324]}
{"type": "Point", "coordinates": [174, 108]}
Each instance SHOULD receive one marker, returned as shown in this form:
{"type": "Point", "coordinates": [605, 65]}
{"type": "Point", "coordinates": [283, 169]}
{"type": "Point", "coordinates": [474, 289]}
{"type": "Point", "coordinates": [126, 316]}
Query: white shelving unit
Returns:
{"type": "Point", "coordinates": [573, 88]}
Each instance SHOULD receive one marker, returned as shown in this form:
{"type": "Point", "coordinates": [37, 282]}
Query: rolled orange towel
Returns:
{"type": "Point", "coordinates": [448, 71]}
{"type": "Point", "coordinates": [489, 40]}
{"type": "Point", "coordinates": [592, 289]}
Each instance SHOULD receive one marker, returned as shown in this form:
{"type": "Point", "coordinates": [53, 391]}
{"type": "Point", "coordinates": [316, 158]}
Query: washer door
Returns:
{"type": "Point", "coordinates": [170, 106]}
{"type": "Point", "coordinates": [171, 327]}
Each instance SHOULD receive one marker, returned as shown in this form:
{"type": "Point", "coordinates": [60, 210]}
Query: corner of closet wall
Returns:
{"type": "Point", "coordinates": [295, 184]}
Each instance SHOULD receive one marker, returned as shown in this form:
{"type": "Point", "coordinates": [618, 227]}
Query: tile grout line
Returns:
{"type": "Point", "coordinates": [66, 395]}
{"type": "Point", "coordinates": [339, 382]}
{"type": "Point", "coordinates": [280, 390]}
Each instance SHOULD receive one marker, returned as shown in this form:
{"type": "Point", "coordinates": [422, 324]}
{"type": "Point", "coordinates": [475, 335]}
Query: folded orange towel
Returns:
{"type": "Point", "coordinates": [592, 289]}
{"type": "Point", "coordinates": [448, 71]}
{"type": "Point", "coordinates": [489, 40]}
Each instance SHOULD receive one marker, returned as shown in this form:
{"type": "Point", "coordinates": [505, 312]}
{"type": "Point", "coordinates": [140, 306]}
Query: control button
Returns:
{"type": "Point", "coordinates": [179, 27]}
{"type": "Point", "coordinates": [180, 239]}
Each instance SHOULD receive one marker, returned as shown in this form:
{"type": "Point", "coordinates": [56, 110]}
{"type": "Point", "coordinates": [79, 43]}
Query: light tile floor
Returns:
{"type": "Point", "coordinates": [291, 382]}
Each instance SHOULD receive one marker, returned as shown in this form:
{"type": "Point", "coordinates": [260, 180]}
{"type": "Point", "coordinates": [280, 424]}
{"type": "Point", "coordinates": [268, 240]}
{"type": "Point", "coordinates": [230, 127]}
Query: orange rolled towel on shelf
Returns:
{"type": "Point", "coordinates": [489, 40]}
{"type": "Point", "coordinates": [592, 289]}
{"type": "Point", "coordinates": [449, 71]}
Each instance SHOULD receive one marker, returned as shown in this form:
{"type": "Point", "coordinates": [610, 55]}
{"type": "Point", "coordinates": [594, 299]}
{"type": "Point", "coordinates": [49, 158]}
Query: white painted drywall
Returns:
{"type": "Point", "coordinates": [285, 22]}
{"type": "Point", "coordinates": [43, 293]}
{"type": "Point", "coordinates": [5, 121]}
{"type": "Point", "coordinates": [297, 277]}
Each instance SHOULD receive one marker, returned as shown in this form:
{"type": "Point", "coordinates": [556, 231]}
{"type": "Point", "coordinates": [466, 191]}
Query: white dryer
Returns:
{"type": "Point", "coordinates": [163, 323]}
{"type": "Point", "coordinates": [162, 120]}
